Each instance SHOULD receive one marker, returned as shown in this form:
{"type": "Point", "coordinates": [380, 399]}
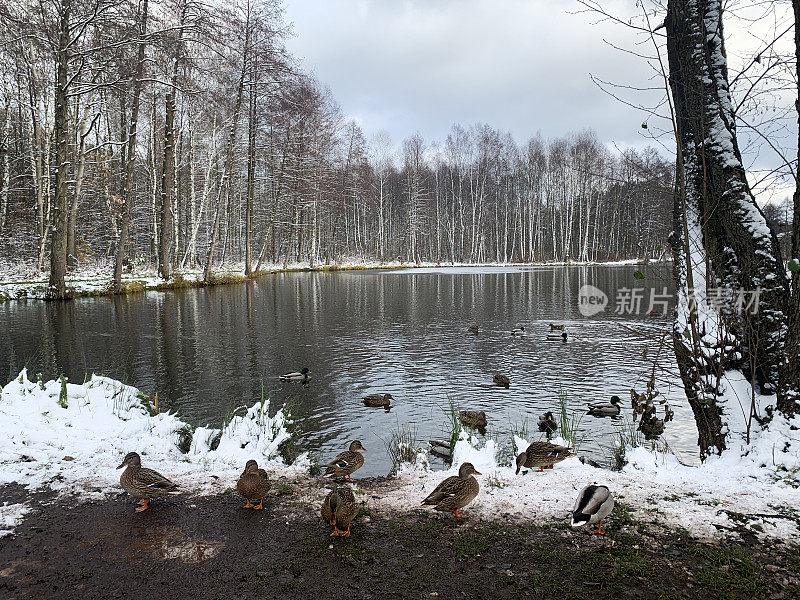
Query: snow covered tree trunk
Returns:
{"type": "Point", "coordinates": [789, 391]}
{"type": "Point", "coordinates": [57, 288]}
{"type": "Point", "coordinates": [722, 239]}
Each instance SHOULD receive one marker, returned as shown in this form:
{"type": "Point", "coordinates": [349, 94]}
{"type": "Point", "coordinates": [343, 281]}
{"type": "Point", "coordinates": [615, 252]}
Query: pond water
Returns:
{"type": "Point", "coordinates": [402, 332]}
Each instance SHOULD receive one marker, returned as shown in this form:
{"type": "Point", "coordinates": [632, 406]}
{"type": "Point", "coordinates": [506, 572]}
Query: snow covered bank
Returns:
{"type": "Point", "coordinates": [72, 437]}
{"type": "Point", "coordinates": [708, 501]}
{"type": "Point", "coordinates": [25, 282]}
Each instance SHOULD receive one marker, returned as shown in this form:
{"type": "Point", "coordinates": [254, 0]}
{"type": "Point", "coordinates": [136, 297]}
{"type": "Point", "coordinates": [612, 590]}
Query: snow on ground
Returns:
{"type": "Point", "coordinates": [706, 501]}
{"type": "Point", "coordinates": [10, 516]}
{"type": "Point", "coordinates": [73, 443]}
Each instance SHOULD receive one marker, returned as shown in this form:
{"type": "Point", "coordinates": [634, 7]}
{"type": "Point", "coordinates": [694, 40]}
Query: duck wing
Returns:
{"type": "Point", "coordinates": [155, 480]}
{"type": "Point", "coordinates": [342, 460]}
{"type": "Point", "coordinates": [446, 489]}
{"type": "Point", "coordinates": [590, 499]}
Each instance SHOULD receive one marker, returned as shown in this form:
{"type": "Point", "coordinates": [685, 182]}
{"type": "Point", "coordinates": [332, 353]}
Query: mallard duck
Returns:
{"type": "Point", "coordinates": [252, 484]}
{"type": "Point", "coordinates": [605, 409]}
{"type": "Point", "coordinates": [347, 462]}
{"type": "Point", "coordinates": [501, 379]}
{"type": "Point", "coordinates": [473, 418]}
{"type": "Point", "coordinates": [542, 454]}
{"type": "Point", "coordinates": [518, 331]}
{"type": "Point", "coordinates": [547, 423]}
{"type": "Point", "coordinates": [474, 329]}
{"type": "Point", "coordinates": [144, 484]}
{"type": "Point", "coordinates": [557, 337]}
{"type": "Point", "coordinates": [338, 510]}
{"type": "Point", "coordinates": [374, 400]}
{"type": "Point", "coordinates": [554, 327]}
{"type": "Point", "coordinates": [454, 493]}
{"type": "Point", "coordinates": [300, 375]}
{"type": "Point", "coordinates": [595, 503]}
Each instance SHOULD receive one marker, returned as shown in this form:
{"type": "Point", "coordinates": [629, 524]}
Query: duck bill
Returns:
{"type": "Point", "coordinates": [122, 465]}
{"type": "Point", "coordinates": [478, 473]}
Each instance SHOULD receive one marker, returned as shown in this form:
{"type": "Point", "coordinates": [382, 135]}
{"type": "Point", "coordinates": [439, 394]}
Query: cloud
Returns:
{"type": "Point", "coordinates": [519, 65]}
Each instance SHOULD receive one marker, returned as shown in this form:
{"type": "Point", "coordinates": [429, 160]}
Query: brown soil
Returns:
{"type": "Point", "coordinates": [210, 547]}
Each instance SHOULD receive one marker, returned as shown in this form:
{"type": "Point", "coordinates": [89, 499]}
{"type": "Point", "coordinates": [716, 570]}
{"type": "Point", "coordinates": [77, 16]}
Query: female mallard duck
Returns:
{"type": "Point", "coordinates": [518, 331]}
{"type": "Point", "coordinates": [454, 493]}
{"type": "Point", "coordinates": [300, 375]}
{"type": "Point", "coordinates": [501, 379]}
{"type": "Point", "coordinates": [473, 418]}
{"type": "Point", "coordinates": [474, 329]}
{"type": "Point", "coordinates": [554, 327]}
{"type": "Point", "coordinates": [595, 503]}
{"type": "Point", "coordinates": [144, 484]}
{"type": "Point", "coordinates": [605, 409]}
{"type": "Point", "coordinates": [347, 462]}
{"type": "Point", "coordinates": [542, 454]}
{"type": "Point", "coordinates": [252, 484]}
{"type": "Point", "coordinates": [374, 400]}
{"type": "Point", "coordinates": [338, 510]}
{"type": "Point", "coordinates": [547, 423]}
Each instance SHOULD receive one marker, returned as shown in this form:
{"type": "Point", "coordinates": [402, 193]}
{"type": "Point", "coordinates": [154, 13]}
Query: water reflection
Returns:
{"type": "Point", "coordinates": [398, 332]}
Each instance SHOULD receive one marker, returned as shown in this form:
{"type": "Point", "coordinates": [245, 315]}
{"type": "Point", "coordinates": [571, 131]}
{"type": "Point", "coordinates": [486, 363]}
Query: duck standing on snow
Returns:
{"type": "Point", "coordinates": [454, 493]}
{"type": "Point", "coordinates": [542, 455]}
{"type": "Point", "coordinates": [547, 423]}
{"type": "Point", "coordinates": [301, 375]}
{"type": "Point", "coordinates": [252, 484]}
{"type": "Point", "coordinates": [501, 379]}
{"type": "Point", "coordinates": [375, 400]}
{"type": "Point", "coordinates": [338, 510]}
{"type": "Point", "coordinates": [595, 503]}
{"type": "Point", "coordinates": [518, 331]}
{"type": "Point", "coordinates": [347, 462]}
{"type": "Point", "coordinates": [605, 409]}
{"type": "Point", "coordinates": [144, 484]}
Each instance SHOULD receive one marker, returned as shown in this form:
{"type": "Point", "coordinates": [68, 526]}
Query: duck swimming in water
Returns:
{"type": "Point", "coordinates": [300, 375]}
{"type": "Point", "coordinates": [606, 409]}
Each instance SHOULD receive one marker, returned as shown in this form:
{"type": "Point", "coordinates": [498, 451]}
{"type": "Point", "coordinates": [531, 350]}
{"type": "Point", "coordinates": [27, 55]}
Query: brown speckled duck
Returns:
{"type": "Point", "coordinates": [376, 400]}
{"type": "Point", "coordinates": [347, 462]}
{"type": "Point", "coordinates": [252, 484]}
{"type": "Point", "coordinates": [338, 510]}
{"type": "Point", "coordinates": [542, 455]}
{"type": "Point", "coordinates": [144, 484]}
{"type": "Point", "coordinates": [501, 379]}
{"type": "Point", "coordinates": [454, 493]}
{"type": "Point", "coordinates": [473, 418]}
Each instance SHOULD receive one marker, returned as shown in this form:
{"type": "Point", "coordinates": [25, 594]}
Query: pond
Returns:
{"type": "Point", "coordinates": [403, 332]}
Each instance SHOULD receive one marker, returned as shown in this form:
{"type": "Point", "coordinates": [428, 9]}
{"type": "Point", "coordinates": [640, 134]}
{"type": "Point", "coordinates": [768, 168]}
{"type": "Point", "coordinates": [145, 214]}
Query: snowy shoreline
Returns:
{"type": "Point", "coordinates": [71, 443]}
{"type": "Point", "coordinates": [22, 282]}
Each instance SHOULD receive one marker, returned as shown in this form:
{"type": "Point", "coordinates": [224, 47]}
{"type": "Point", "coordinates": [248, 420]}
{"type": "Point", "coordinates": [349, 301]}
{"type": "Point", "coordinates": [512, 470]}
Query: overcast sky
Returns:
{"type": "Point", "coordinates": [522, 66]}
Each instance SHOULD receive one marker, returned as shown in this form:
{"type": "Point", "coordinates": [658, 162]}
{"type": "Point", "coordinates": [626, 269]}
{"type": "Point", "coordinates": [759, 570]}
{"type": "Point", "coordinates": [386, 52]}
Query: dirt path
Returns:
{"type": "Point", "coordinates": [209, 547]}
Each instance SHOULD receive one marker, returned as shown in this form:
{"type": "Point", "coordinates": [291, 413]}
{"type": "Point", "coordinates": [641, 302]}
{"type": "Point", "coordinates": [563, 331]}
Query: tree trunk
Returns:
{"type": "Point", "coordinates": [130, 156]}
{"type": "Point", "coordinates": [789, 391]}
{"type": "Point", "coordinates": [722, 239]}
{"type": "Point", "coordinates": [57, 288]}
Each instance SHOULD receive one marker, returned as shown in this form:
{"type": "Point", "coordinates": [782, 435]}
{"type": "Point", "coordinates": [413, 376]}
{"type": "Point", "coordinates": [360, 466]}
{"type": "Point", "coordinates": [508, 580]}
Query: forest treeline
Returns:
{"type": "Point", "coordinates": [182, 134]}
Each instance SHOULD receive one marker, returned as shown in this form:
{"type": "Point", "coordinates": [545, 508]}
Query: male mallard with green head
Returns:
{"type": "Point", "coordinates": [347, 462]}
{"type": "Point", "coordinates": [542, 455]}
{"type": "Point", "coordinates": [144, 484]}
{"type": "Point", "coordinates": [338, 510]}
{"type": "Point", "coordinates": [455, 492]}
{"type": "Point", "coordinates": [252, 484]}
{"type": "Point", "coordinates": [301, 375]}
{"type": "Point", "coordinates": [606, 409]}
